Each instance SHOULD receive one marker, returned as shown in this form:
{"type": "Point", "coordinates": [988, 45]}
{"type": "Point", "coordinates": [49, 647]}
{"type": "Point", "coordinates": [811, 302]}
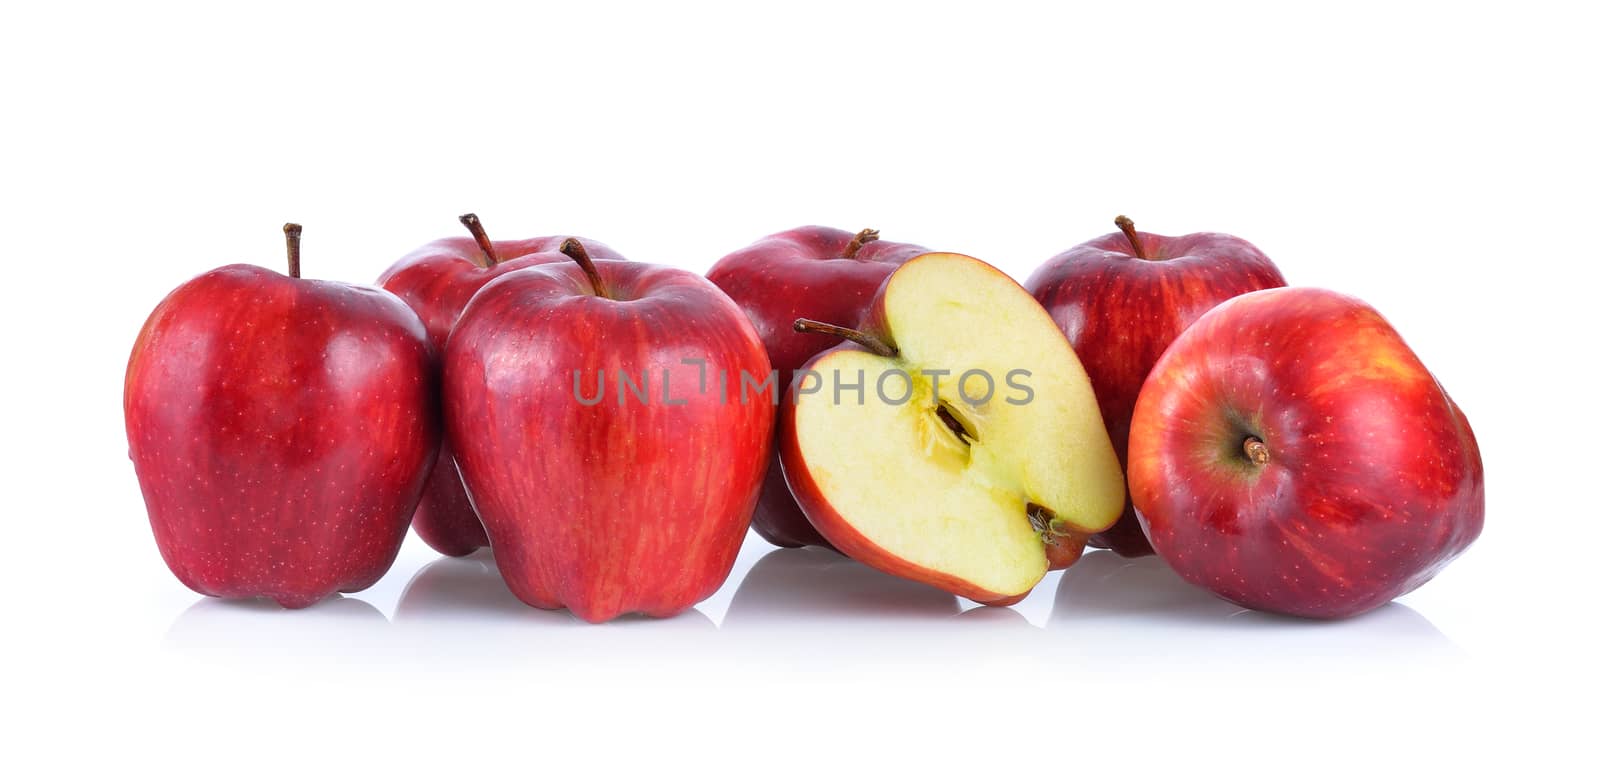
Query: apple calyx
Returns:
{"type": "Point", "coordinates": [1051, 529]}
{"type": "Point", "coordinates": [475, 227]}
{"type": "Point", "coordinates": [291, 240]}
{"type": "Point", "coordinates": [1044, 520]}
{"type": "Point", "coordinates": [1256, 451]}
{"type": "Point", "coordinates": [1126, 225]}
{"type": "Point", "coordinates": [864, 237]}
{"type": "Point", "coordinates": [574, 249]}
{"type": "Point", "coordinates": [877, 346]}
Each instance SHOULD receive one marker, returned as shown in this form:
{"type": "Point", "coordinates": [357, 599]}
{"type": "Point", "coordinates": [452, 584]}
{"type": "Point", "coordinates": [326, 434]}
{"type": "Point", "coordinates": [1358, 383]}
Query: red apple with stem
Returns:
{"type": "Point", "coordinates": [821, 273]}
{"type": "Point", "coordinates": [612, 422]}
{"type": "Point", "coordinates": [437, 281]}
{"type": "Point", "coordinates": [1290, 453]}
{"type": "Point", "coordinates": [1122, 299]}
{"type": "Point", "coordinates": [281, 429]}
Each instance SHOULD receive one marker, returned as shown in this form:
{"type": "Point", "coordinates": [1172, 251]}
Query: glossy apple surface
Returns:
{"type": "Point", "coordinates": [436, 281]}
{"type": "Point", "coordinates": [1122, 299]}
{"type": "Point", "coordinates": [594, 499]}
{"type": "Point", "coordinates": [815, 272]}
{"type": "Point", "coordinates": [928, 472]}
{"type": "Point", "coordinates": [281, 429]}
{"type": "Point", "coordinates": [1290, 453]}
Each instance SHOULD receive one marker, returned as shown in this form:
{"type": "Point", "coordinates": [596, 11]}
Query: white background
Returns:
{"type": "Point", "coordinates": [1437, 161]}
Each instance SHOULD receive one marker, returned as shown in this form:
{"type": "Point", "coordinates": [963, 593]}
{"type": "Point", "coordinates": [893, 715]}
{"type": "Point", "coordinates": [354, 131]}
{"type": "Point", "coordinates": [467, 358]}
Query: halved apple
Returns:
{"type": "Point", "coordinates": [972, 455]}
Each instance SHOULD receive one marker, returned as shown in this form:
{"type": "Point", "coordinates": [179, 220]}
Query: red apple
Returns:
{"type": "Point", "coordinates": [815, 272]}
{"type": "Point", "coordinates": [603, 493]}
{"type": "Point", "coordinates": [1290, 453]}
{"type": "Point", "coordinates": [281, 429]}
{"type": "Point", "coordinates": [1122, 299]}
{"type": "Point", "coordinates": [437, 281]}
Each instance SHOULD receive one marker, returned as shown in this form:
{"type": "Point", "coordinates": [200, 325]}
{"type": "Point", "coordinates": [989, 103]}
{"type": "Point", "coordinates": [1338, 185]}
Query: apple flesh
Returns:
{"type": "Point", "coordinates": [1121, 299]}
{"type": "Point", "coordinates": [974, 488]}
{"type": "Point", "coordinates": [281, 429]}
{"type": "Point", "coordinates": [825, 274]}
{"type": "Point", "coordinates": [1290, 453]}
{"type": "Point", "coordinates": [601, 495]}
{"type": "Point", "coordinates": [436, 281]}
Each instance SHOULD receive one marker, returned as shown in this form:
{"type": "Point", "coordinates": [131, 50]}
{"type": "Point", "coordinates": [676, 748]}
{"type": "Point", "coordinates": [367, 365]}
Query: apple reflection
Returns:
{"type": "Point", "coordinates": [460, 588]}
{"type": "Point", "coordinates": [810, 611]}
{"type": "Point", "coordinates": [1008, 617]}
{"type": "Point", "coordinates": [811, 587]}
{"type": "Point", "coordinates": [337, 630]}
{"type": "Point", "coordinates": [1139, 611]}
{"type": "Point", "coordinates": [458, 611]}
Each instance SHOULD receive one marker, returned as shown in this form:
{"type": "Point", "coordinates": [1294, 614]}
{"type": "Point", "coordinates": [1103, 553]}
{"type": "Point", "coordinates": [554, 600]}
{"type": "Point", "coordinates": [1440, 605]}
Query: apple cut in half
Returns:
{"type": "Point", "coordinates": [955, 439]}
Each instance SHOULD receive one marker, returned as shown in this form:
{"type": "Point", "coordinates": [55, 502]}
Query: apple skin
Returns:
{"type": "Point", "coordinates": [609, 508]}
{"type": "Point", "coordinates": [436, 281]}
{"type": "Point", "coordinates": [810, 272]}
{"type": "Point", "coordinates": [1120, 311]}
{"type": "Point", "coordinates": [281, 429]}
{"type": "Point", "coordinates": [1369, 479]}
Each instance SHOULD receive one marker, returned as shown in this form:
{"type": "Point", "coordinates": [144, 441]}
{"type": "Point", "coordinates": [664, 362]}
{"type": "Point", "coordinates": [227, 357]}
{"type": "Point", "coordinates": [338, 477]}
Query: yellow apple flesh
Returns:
{"type": "Point", "coordinates": [972, 454]}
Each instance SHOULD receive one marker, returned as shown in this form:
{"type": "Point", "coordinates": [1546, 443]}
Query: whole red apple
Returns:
{"type": "Point", "coordinates": [1290, 453]}
{"type": "Point", "coordinates": [1122, 299]}
{"type": "Point", "coordinates": [612, 422]}
{"type": "Point", "coordinates": [815, 272]}
{"type": "Point", "coordinates": [436, 281]}
{"type": "Point", "coordinates": [281, 429]}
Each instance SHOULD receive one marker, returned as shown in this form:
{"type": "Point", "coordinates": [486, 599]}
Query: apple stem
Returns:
{"type": "Point", "coordinates": [475, 227]}
{"type": "Point", "coordinates": [291, 239]}
{"type": "Point", "coordinates": [1126, 224]}
{"type": "Point", "coordinates": [1256, 450]}
{"type": "Point", "coordinates": [866, 236]}
{"type": "Point", "coordinates": [574, 249]}
{"type": "Point", "coordinates": [807, 326]}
